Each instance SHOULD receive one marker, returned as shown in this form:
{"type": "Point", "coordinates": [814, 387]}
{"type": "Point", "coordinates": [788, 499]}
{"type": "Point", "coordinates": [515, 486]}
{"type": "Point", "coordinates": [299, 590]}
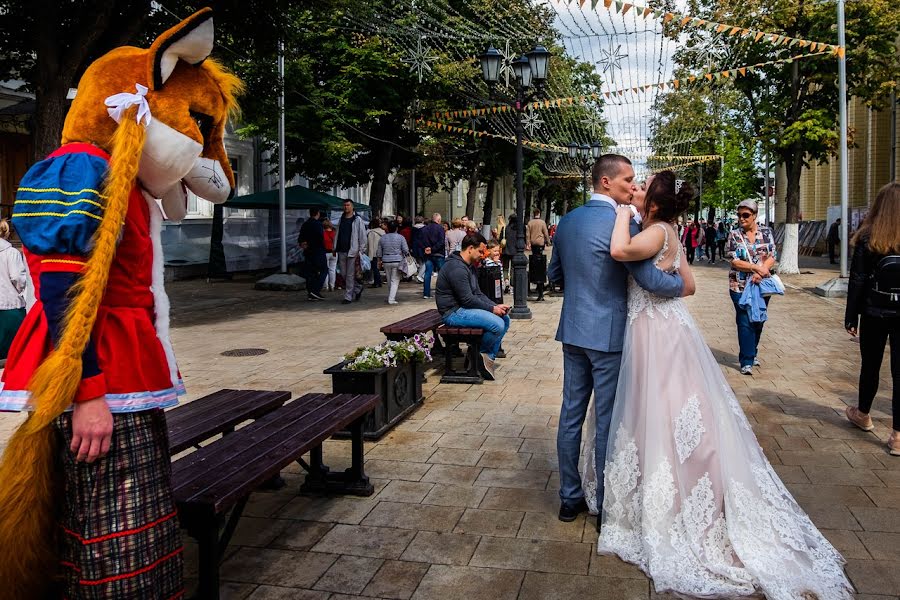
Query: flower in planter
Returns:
{"type": "Point", "coordinates": [390, 354]}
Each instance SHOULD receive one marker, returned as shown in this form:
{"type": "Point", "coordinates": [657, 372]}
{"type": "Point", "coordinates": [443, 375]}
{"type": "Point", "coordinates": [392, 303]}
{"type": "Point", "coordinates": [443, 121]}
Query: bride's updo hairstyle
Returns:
{"type": "Point", "coordinates": [663, 196]}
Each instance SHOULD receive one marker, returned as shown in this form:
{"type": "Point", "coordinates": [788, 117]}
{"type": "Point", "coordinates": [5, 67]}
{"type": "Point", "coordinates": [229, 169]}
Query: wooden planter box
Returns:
{"type": "Point", "coordinates": [400, 389]}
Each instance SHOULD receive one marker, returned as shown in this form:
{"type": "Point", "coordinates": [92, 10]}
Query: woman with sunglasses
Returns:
{"type": "Point", "coordinates": [751, 250]}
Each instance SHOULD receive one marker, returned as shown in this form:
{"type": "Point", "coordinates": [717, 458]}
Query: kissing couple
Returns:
{"type": "Point", "coordinates": [670, 463]}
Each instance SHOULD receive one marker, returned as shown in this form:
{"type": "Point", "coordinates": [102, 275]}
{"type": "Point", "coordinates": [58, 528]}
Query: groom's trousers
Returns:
{"type": "Point", "coordinates": [586, 371]}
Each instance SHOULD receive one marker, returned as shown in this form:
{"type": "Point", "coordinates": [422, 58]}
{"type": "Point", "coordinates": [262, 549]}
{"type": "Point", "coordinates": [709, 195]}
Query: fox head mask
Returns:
{"type": "Point", "coordinates": [184, 99]}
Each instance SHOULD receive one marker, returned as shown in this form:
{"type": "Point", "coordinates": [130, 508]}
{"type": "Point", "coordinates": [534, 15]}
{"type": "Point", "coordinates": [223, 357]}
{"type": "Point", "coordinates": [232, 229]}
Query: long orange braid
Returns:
{"type": "Point", "coordinates": [27, 519]}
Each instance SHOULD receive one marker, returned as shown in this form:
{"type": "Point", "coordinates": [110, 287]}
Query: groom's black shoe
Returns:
{"type": "Point", "coordinates": [570, 512]}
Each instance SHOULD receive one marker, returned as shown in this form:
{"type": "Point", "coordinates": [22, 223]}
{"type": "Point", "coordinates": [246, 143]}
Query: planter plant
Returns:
{"type": "Point", "coordinates": [392, 370]}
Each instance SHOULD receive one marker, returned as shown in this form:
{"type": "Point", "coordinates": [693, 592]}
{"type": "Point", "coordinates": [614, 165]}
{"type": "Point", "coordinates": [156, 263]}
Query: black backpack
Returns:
{"type": "Point", "coordinates": [886, 283]}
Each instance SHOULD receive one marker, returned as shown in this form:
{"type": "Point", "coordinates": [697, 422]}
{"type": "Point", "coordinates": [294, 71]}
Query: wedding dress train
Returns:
{"type": "Point", "coordinates": [689, 495]}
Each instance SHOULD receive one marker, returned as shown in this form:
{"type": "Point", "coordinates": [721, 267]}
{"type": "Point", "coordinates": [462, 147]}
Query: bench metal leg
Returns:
{"type": "Point", "coordinates": [233, 520]}
{"type": "Point", "coordinates": [320, 480]}
{"type": "Point", "coordinates": [472, 374]}
{"type": "Point", "coordinates": [206, 532]}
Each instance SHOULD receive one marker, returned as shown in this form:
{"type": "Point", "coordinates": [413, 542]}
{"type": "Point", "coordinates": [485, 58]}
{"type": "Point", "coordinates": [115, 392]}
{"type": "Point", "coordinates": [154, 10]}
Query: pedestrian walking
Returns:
{"type": "Point", "coordinates": [690, 238]}
{"type": "Point", "coordinates": [721, 239]}
{"type": "Point", "coordinates": [873, 306]}
{"type": "Point", "coordinates": [350, 246]}
{"type": "Point", "coordinates": [711, 235]}
{"type": "Point", "coordinates": [417, 248]}
{"type": "Point", "coordinates": [377, 228]}
{"type": "Point", "coordinates": [751, 250]}
{"type": "Point", "coordinates": [537, 236]}
{"type": "Point", "coordinates": [508, 242]}
{"type": "Point", "coordinates": [700, 243]}
{"type": "Point", "coordinates": [330, 253]}
{"type": "Point", "coordinates": [315, 264]}
{"type": "Point", "coordinates": [434, 241]}
{"type": "Point", "coordinates": [13, 279]}
{"type": "Point", "coordinates": [391, 253]}
{"type": "Point", "coordinates": [454, 236]}
{"type": "Point", "coordinates": [833, 239]}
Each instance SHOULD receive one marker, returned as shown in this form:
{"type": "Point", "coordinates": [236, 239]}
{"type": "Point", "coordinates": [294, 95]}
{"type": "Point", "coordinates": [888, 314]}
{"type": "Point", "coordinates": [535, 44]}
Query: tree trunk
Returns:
{"type": "Point", "coordinates": [380, 179]}
{"type": "Point", "coordinates": [488, 203]}
{"type": "Point", "coordinates": [49, 116]}
{"type": "Point", "coordinates": [790, 250]}
{"type": "Point", "coordinates": [472, 194]}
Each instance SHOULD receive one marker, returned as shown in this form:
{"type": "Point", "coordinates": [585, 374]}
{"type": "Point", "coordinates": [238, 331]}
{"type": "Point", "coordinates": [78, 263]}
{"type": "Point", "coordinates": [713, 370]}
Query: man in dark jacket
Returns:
{"type": "Point", "coordinates": [462, 303]}
{"type": "Point", "coordinates": [833, 239]}
{"type": "Point", "coordinates": [433, 248]}
{"type": "Point", "coordinates": [312, 241]}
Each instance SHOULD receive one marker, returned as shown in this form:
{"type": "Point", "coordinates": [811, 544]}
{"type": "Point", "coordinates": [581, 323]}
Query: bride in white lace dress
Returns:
{"type": "Point", "coordinates": [689, 495]}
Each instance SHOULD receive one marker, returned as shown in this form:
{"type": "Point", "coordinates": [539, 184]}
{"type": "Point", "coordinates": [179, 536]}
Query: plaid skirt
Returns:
{"type": "Point", "coordinates": [119, 533]}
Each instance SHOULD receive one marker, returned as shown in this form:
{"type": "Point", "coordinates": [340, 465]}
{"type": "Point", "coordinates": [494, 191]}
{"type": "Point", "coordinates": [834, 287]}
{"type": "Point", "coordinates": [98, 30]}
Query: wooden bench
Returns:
{"type": "Point", "coordinates": [471, 336]}
{"type": "Point", "coordinates": [423, 322]}
{"type": "Point", "coordinates": [218, 413]}
{"type": "Point", "coordinates": [220, 477]}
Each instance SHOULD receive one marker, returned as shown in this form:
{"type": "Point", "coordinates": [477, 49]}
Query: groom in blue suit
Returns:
{"type": "Point", "coordinates": [592, 322]}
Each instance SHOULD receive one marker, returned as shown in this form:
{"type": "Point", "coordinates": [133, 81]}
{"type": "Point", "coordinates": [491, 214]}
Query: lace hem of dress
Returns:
{"type": "Point", "coordinates": [753, 538]}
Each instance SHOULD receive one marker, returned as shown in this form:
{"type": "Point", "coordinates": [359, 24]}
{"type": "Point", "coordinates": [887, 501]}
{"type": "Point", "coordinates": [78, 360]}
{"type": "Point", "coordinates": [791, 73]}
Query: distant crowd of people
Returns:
{"type": "Point", "coordinates": [347, 255]}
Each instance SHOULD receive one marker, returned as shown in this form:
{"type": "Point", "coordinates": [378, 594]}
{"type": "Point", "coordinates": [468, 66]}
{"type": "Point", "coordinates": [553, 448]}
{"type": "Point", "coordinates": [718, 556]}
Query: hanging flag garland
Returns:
{"type": "Point", "coordinates": [675, 84]}
{"type": "Point", "coordinates": [685, 20]}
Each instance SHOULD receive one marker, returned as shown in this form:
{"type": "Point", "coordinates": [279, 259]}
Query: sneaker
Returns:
{"type": "Point", "coordinates": [756, 362]}
{"type": "Point", "coordinates": [426, 297]}
{"type": "Point", "coordinates": [345, 301]}
{"type": "Point", "coordinates": [358, 295]}
{"type": "Point", "coordinates": [747, 370]}
{"type": "Point", "coordinates": [501, 353]}
{"type": "Point", "coordinates": [488, 367]}
{"type": "Point", "coordinates": [392, 302]}
{"type": "Point", "coordinates": [315, 296]}
{"type": "Point", "coordinates": [568, 513]}
{"type": "Point", "coordinates": [893, 443]}
{"type": "Point", "coordinates": [863, 421]}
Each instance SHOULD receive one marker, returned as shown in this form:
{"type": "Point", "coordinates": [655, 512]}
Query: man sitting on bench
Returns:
{"type": "Point", "coordinates": [462, 303]}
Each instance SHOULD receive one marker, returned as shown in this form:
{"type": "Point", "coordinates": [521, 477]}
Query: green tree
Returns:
{"type": "Point", "coordinates": [793, 107]}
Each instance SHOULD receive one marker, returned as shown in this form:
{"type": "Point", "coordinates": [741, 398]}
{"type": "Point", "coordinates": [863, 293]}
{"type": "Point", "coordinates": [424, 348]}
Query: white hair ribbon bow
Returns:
{"type": "Point", "coordinates": [119, 103]}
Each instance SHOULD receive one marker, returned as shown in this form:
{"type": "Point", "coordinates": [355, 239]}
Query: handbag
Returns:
{"type": "Point", "coordinates": [408, 266]}
{"type": "Point", "coordinates": [365, 263]}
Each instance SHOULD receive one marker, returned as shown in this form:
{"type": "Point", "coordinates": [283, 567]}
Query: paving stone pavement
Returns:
{"type": "Point", "coordinates": [465, 504]}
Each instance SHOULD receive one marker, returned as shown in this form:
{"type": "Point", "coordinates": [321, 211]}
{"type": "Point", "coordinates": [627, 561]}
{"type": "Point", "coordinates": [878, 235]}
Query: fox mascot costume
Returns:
{"type": "Point", "coordinates": [83, 509]}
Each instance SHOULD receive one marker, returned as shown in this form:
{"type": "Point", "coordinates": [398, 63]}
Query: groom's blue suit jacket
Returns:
{"type": "Point", "coordinates": [595, 304]}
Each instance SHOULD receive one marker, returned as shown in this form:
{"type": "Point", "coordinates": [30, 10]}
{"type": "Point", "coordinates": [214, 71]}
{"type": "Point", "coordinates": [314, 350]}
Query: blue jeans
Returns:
{"type": "Point", "coordinates": [432, 264]}
{"type": "Point", "coordinates": [494, 327]}
{"type": "Point", "coordinates": [585, 371]}
{"type": "Point", "coordinates": [748, 332]}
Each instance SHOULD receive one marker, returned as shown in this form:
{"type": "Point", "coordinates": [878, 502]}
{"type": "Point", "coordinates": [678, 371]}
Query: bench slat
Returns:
{"type": "Point", "coordinates": [194, 422]}
{"type": "Point", "coordinates": [211, 457]}
{"type": "Point", "coordinates": [226, 492]}
{"type": "Point", "coordinates": [420, 323]}
{"type": "Point", "coordinates": [273, 442]}
{"type": "Point", "coordinates": [447, 330]}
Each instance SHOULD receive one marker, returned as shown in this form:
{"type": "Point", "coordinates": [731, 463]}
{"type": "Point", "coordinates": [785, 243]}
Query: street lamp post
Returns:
{"type": "Point", "coordinates": [530, 72]}
{"type": "Point", "coordinates": [587, 156]}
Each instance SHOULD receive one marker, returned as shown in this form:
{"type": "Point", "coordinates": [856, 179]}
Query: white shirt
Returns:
{"type": "Point", "coordinates": [634, 211]}
{"type": "Point", "coordinates": [13, 277]}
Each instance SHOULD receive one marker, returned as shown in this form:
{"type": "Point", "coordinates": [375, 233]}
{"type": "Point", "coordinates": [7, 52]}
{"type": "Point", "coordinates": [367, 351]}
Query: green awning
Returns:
{"type": "Point", "coordinates": [296, 197]}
